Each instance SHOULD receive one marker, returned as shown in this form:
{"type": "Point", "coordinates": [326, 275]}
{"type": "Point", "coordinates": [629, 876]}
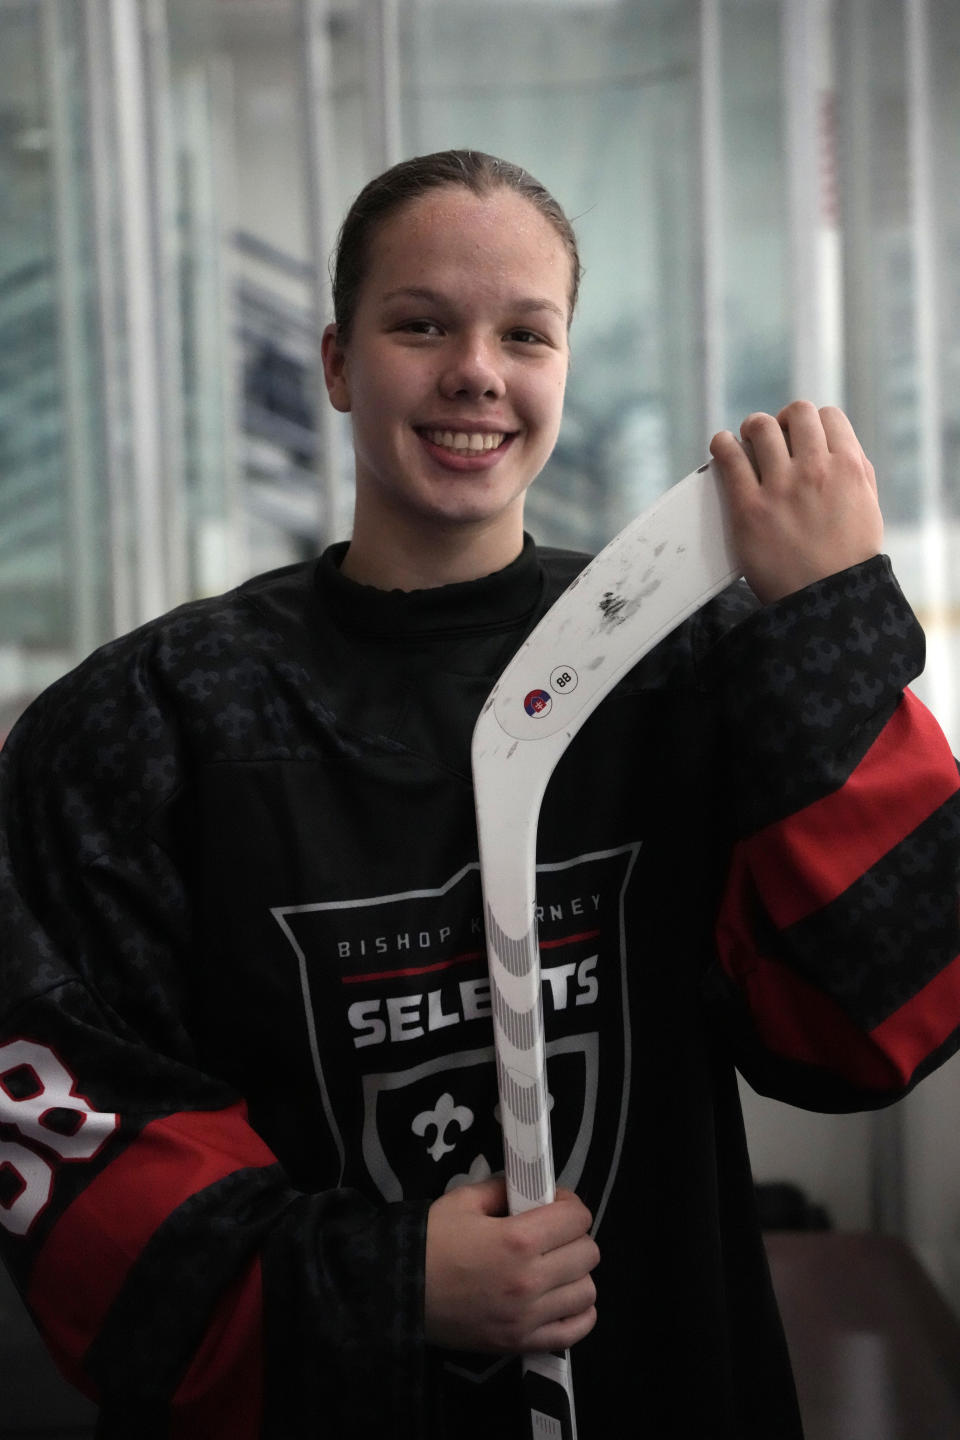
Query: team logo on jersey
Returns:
{"type": "Point", "coordinates": [398, 1005]}
{"type": "Point", "coordinates": [538, 703]}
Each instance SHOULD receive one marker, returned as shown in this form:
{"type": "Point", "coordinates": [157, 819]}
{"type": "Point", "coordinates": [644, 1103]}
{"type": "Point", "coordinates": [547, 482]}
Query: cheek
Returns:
{"type": "Point", "coordinates": [396, 385]}
{"type": "Point", "coordinates": [551, 402]}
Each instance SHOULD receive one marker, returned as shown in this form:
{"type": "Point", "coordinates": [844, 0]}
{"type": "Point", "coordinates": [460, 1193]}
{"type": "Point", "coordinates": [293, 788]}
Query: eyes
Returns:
{"type": "Point", "coordinates": [520, 335]}
{"type": "Point", "coordinates": [419, 327]}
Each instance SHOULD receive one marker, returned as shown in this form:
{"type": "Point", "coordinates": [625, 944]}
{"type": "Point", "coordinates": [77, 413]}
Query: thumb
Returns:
{"type": "Point", "coordinates": [485, 1197]}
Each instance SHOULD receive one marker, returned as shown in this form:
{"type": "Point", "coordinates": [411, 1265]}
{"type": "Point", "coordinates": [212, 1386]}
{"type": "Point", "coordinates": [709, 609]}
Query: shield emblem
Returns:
{"type": "Point", "coordinates": [424, 1132]}
{"type": "Point", "coordinates": [397, 1005]}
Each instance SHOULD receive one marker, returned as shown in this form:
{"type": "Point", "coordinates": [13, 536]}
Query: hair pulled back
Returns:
{"type": "Point", "coordinates": [387, 193]}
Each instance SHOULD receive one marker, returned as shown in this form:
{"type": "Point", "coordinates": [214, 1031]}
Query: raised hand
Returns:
{"type": "Point", "coordinates": [508, 1283]}
{"type": "Point", "coordinates": [802, 497]}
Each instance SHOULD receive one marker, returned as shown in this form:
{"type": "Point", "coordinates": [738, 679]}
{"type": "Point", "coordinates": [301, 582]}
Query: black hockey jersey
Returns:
{"type": "Point", "coordinates": [245, 1030]}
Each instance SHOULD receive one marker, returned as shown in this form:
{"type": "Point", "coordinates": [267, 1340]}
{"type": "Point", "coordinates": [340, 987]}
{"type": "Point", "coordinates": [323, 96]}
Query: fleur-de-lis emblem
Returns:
{"type": "Point", "coordinates": [441, 1118]}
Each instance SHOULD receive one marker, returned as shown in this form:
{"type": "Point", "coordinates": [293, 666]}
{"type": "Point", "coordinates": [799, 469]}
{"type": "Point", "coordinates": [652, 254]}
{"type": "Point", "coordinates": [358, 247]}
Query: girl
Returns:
{"type": "Point", "coordinates": [251, 1148]}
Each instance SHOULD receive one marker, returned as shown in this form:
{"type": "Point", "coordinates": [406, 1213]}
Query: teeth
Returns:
{"type": "Point", "coordinates": [461, 440]}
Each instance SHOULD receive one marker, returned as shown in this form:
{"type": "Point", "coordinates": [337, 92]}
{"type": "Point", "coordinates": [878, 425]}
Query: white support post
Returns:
{"type": "Point", "coordinates": [930, 1169]}
{"type": "Point", "coordinates": [854, 27]}
{"type": "Point", "coordinates": [924, 238]}
{"type": "Point", "coordinates": [159, 152]}
{"type": "Point", "coordinates": [139, 308]}
{"type": "Point", "coordinates": [712, 217]}
{"type": "Point", "coordinates": [108, 293]}
{"type": "Point", "coordinates": [382, 48]}
{"type": "Point", "coordinates": [222, 544]}
{"type": "Point", "coordinates": [815, 312]}
{"type": "Point", "coordinates": [80, 533]}
{"type": "Point", "coordinates": [317, 70]}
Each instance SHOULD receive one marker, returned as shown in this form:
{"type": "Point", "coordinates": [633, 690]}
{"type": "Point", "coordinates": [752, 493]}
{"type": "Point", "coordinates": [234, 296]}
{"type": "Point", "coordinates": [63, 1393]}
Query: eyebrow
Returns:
{"type": "Point", "coordinates": [434, 297]}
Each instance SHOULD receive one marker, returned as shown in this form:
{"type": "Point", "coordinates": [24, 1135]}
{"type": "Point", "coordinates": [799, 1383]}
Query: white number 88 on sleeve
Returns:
{"type": "Point", "coordinates": [38, 1097]}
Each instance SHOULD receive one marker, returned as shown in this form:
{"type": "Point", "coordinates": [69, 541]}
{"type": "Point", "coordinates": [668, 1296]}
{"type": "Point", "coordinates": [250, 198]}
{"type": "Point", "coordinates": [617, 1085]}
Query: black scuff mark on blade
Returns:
{"type": "Point", "coordinates": [617, 608]}
{"type": "Point", "coordinates": [611, 605]}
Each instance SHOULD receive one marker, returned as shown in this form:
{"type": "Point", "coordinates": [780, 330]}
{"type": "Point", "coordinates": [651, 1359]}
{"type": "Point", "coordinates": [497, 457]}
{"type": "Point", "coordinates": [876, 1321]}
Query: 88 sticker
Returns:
{"type": "Point", "coordinates": [563, 679]}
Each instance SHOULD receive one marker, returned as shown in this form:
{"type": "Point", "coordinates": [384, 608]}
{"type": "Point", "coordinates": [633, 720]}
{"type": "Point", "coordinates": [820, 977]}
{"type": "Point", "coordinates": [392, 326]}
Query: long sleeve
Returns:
{"type": "Point", "coordinates": [177, 1275]}
{"type": "Point", "coordinates": [839, 931]}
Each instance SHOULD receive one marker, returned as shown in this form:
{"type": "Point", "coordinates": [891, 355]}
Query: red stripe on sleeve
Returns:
{"type": "Point", "coordinates": [797, 1021]}
{"type": "Point", "coordinates": [221, 1396]}
{"type": "Point", "coordinates": [90, 1250]}
{"type": "Point", "coordinates": [802, 863]}
{"type": "Point", "coordinates": [922, 1025]}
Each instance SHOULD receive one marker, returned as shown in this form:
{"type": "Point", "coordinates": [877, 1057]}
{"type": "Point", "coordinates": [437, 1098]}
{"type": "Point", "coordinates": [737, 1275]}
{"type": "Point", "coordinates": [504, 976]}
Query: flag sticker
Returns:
{"type": "Point", "coordinates": [538, 703]}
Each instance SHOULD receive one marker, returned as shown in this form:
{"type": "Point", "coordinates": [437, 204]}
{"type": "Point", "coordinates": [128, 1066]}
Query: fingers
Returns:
{"type": "Point", "coordinates": [508, 1284]}
{"type": "Point", "coordinates": [558, 1224]}
{"type": "Point", "coordinates": [564, 1280]}
{"type": "Point", "coordinates": [837, 429]}
{"type": "Point", "coordinates": [736, 458]}
{"type": "Point", "coordinates": [771, 441]}
{"type": "Point", "coordinates": [842, 438]}
{"type": "Point", "coordinates": [809, 432]}
{"type": "Point", "coordinates": [575, 1318]}
{"type": "Point", "coordinates": [810, 508]}
{"type": "Point", "coordinates": [800, 430]}
{"type": "Point", "coordinates": [552, 1296]}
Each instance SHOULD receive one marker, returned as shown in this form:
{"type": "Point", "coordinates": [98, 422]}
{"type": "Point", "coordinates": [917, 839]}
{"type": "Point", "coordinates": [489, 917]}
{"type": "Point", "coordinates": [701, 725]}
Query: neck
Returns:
{"type": "Point", "coordinates": [410, 559]}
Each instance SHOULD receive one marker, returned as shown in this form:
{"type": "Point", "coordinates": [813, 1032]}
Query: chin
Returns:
{"type": "Point", "coordinates": [456, 516]}
{"type": "Point", "coordinates": [461, 504]}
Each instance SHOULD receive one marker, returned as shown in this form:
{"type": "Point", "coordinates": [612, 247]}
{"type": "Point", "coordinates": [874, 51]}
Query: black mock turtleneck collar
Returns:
{"type": "Point", "coordinates": [496, 600]}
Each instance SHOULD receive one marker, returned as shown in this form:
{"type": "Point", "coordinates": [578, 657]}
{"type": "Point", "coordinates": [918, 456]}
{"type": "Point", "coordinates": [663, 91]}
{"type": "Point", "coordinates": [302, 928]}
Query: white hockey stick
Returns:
{"type": "Point", "coordinates": [652, 576]}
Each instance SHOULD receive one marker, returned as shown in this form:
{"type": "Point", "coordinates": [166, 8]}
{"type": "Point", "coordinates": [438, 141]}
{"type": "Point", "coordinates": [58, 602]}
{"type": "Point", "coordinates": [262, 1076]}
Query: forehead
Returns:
{"type": "Point", "coordinates": [484, 244]}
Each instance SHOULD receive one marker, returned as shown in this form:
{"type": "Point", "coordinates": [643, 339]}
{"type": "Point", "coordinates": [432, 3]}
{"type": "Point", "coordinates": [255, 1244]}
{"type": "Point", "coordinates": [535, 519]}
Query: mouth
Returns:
{"type": "Point", "coordinates": [465, 442]}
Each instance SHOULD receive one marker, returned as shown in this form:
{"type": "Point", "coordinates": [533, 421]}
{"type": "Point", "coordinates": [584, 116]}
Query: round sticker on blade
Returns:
{"type": "Point", "coordinates": [538, 703]}
{"type": "Point", "coordinates": [563, 680]}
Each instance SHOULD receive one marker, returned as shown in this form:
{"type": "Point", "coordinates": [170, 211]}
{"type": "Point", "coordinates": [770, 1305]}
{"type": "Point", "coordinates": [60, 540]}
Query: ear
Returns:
{"type": "Point", "coordinates": [334, 359]}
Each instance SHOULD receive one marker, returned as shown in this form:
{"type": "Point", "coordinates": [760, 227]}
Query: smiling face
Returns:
{"type": "Point", "coordinates": [453, 376]}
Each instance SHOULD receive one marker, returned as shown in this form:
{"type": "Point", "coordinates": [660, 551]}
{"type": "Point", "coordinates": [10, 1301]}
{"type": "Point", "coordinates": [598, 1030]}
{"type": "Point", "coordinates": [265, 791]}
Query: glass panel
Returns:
{"type": "Point", "coordinates": [244, 286]}
{"type": "Point", "coordinates": [599, 101]}
{"type": "Point", "coordinates": [754, 205]}
{"type": "Point", "coordinates": [247, 319]}
{"type": "Point", "coordinates": [903, 360]}
{"type": "Point", "coordinates": [945, 161]}
{"type": "Point", "coordinates": [249, 322]}
{"type": "Point", "coordinates": [945, 27]}
{"type": "Point", "coordinates": [53, 557]}
{"type": "Point", "coordinates": [198, 104]}
{"type": "Point", "coordinates": [878, 280]}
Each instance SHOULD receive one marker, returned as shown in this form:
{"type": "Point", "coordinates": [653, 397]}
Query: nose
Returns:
{"type": "Point", "coordinates": [473, 370]}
